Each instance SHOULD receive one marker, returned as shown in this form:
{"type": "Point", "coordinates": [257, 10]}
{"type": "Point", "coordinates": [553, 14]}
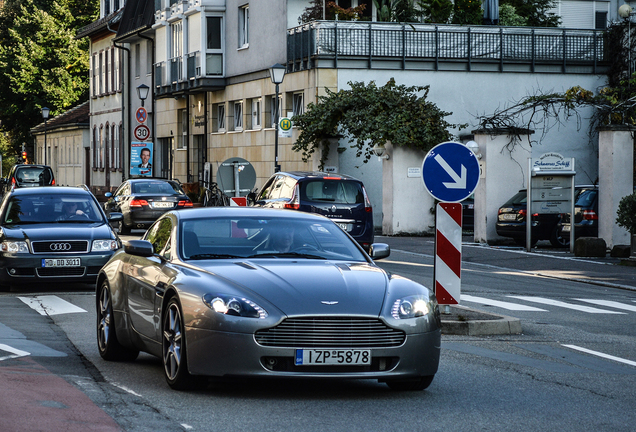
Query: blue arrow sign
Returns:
{"type": "Point", "coordinates": [450, 172]}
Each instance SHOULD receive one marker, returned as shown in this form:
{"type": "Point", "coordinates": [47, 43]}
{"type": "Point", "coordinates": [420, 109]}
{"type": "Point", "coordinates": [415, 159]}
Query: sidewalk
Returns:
{"type": "Point", "coordinates": [543, 260]}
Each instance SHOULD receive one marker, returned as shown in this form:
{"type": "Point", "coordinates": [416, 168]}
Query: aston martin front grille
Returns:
{"type": "Point", "coordinates": [60, 246]}
{"type": "Point", "coordinates": [326, 332]}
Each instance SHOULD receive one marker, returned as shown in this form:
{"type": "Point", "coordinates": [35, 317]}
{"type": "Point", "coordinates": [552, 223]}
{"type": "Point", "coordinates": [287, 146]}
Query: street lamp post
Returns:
{"type": "Point", "coordinates": [277, 74]}
{"type": "Point", "coordinates": [626, 12]}
{"type": "Point", "coordinates": [45, 116]}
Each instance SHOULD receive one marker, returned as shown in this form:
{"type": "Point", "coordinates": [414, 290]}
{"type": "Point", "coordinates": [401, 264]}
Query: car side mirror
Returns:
{"type": "Point", "coordinates": [378, 251]}
{"type": "Point", "coordinates": [115, 217]}
{"type": "Point", "coordinates": [142, 248]}
{"type": "Point", "coordinates": [108, 194]}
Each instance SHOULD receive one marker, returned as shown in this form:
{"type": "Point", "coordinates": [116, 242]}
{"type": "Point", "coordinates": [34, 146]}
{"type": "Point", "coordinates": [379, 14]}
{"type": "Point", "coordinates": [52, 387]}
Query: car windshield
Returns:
{"type": "Point", "coordinates": [39, 175]}
{"type": "Point", "coordinates": [348, 192]}
{"type": "Point", "coordinates": [255, 238]}
{"type": "Point", "coordinates": [585, 198]}
{"type": "Point", "coordinates": [51, 208]}
{"type": "Point", "coordinates": [158, 188]}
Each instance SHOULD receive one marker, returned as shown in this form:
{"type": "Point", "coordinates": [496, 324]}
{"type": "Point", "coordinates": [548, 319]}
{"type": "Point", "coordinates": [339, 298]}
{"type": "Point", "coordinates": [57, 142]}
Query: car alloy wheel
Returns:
{"type": "Point", "coordinates": [175, 360]}
{"type": "Point", "coordinates": [107, 342]}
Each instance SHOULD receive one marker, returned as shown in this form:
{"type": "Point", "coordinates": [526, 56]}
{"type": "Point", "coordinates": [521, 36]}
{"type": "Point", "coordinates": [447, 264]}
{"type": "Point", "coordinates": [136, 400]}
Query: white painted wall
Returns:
{"type": "Point", "coordinates": [471, 94]}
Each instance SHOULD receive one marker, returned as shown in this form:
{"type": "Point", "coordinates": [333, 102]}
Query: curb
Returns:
{"type": "Point", "coordinates": [483, 325]}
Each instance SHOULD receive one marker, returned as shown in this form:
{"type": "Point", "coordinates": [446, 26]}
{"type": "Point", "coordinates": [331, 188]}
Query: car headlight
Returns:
{"type": "Point", "coordinates": [14, 247]}
{"type": "Point", "coordinates": [234, 305]}
{"type": "Point", "coordinates": [411, 307]}
{"type": "Point", "coordinates": [104, 245]}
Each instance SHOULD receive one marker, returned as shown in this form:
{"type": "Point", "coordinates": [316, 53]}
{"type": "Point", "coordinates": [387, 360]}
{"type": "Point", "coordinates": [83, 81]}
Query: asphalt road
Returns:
{"type": "Point", "coordinates": [573, 368]}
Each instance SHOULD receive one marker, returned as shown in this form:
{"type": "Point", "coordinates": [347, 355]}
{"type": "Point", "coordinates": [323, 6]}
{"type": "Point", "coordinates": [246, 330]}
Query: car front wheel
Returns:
{"type": "Point", "coordinates": [175, 357]}
{"type": "Point", "coordinates": [107, 342]}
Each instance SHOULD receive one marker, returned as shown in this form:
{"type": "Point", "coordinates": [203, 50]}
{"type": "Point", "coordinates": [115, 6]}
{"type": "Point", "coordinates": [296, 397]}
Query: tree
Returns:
{"type": "Point", "coordinates": [369, 115]}
{"type": "Point", "coordinates": [468, 12]}
{"type": "Point", "coordinates": [396, 11]}
{"type": "Point", "coordinates": [626, 213]}
{"type": "Point", "coordinates": [536, 12]}
{"type": "Point", "coordinates": [435, 11]}
{"type": "Point", "coordinates": [41, 62]}
{"type": "Point", "coordinates": [508, 16]}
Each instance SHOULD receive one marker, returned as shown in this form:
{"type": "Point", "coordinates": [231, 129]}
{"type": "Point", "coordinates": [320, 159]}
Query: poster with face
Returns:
{"type": "Point", "coordinates": [141, 159]}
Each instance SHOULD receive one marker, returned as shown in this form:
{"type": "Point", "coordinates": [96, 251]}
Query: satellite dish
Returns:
{"type": "Point", "coordinates": [236, 177]}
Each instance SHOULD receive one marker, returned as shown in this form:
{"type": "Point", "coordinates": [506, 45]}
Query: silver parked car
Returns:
{"type": "Point", "coordinates": [243, 291]}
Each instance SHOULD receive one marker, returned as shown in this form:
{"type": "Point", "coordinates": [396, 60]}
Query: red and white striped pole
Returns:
{"type": "Point", "coordinates": [448, 253]}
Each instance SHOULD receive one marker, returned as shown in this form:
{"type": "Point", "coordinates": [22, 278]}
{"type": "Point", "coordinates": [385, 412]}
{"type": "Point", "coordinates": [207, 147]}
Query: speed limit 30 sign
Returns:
{"type": "Point", "coordinates": [142, 132]}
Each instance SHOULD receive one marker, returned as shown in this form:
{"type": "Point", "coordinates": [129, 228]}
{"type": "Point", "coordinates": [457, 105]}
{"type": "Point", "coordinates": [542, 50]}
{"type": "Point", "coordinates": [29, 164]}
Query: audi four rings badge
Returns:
{"type": "Point", "coordinates": [60, 246]}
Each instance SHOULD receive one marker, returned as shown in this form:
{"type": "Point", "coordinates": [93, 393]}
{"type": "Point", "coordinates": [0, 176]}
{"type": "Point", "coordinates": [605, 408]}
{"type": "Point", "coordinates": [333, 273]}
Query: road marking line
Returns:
{"type": "Point", "coordinates": [126, 389]}
{"type": "Point", "coordinates": [609, 303]}
{"type": "Point", "coordinates": [505, 305]}
{"type": "Point", "coordinates": [600, 354]}
{"type": "Point", "coordinates": [17, 353]}
{"type": "Point", "coordinates": [50, 305]}
{"type": "Point", "coordinates": [566, 305]}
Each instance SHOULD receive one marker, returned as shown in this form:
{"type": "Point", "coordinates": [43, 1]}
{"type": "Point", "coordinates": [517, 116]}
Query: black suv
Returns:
{"type": "Point", "coordinates": [585, 214]}
{"type": "Point", "coordinates": [339, 197]}
{"type": "Point", "coordinates": [25, 175]}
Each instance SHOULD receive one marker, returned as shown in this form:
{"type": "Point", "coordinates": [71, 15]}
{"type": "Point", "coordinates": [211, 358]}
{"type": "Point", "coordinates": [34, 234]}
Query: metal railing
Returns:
{"type": "Point", "coordinates": [335, 41]}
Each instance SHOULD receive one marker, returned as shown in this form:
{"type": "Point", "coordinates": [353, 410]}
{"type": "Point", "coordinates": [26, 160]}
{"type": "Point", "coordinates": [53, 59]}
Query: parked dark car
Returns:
{"type": "Point", "coordinates": [24, 175]}
{"type": "Point", "coordinates": [56, 234]}
{"type": "Point", "coordinates": [143, 201]}
{"type": "Point", "coordinates": [585, 214]}
{"type": "Point", "coordinates": [235, 292]}
{"type": "Point", "coordinates": [339, 197]}
{"type": "Point", "coordinates": [512, 217]}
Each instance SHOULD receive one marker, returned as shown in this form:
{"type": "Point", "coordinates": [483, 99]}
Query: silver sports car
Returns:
{"type": "Point", "coordinates": [236, 291]}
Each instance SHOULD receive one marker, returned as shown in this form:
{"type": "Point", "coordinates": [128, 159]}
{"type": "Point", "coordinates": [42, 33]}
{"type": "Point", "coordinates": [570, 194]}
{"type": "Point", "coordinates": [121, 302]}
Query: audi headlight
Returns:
{"type": "Point", "coordinates": [14, 247]}
{"type": "Point", "coordinates": [234, 305]}
{"type": "Point", "coordinates": [104, 245]}
{"type": "Point", "coordinates": [411, 307]}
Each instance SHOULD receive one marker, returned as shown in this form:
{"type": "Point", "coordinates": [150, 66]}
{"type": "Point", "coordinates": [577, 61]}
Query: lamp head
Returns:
{"type": "Point", "coordinates": [142, 91]}
{"type": "Point", "coordinates": [625, 11]}
{"type": "Point", "coordinates": [277, 73]}
{"type": "Point", "coordinates": [45, 113]}
{"type": "Point", "coordinates": [474, 147]}
{"type": "Point", "coordinates": [380, 151]}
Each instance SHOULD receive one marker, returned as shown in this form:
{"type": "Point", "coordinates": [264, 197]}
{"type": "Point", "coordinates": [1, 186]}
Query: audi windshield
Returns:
{"type": "Point", "coordinates": [57, 208]}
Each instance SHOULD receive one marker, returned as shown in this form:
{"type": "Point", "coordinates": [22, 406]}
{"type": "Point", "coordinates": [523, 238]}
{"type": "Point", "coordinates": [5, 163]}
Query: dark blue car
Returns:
{"type": "Point", "coordinates": [339, 197]}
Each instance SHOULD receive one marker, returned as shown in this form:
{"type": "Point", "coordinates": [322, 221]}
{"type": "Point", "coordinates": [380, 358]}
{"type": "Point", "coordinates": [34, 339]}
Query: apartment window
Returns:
{"type": "Point", "coordinates": [298, 106]}
{"type": "Point", "coordinates": [114, 147]}
{"type": "Point", "coordinates": [107, 70]}
{"type": "Point", "coordinates": [238, 116]}
{"type": "Point", "coordinates": [220, 118]}
{"type": "Point", "coordinates": [244, 21]}
{"type": "Point", "coordinates": [214, 48]}
{"type": "Point", "coordinates": [137, 60]}
{"type": "Point", "coordinates": [106, 147]}
{"type": "Point", "coordinates": [272, 109]}
{"type": "Point", "coordinates": [100, 73]}
{"type": "Point", "coordinates": [114, 70]}
{"type": "Point", "coordinates": [255, 117]}
{"type": "Point", "coordinates": [177, 39]}
{"type": "Point", "coordinates": [94, 148]}
{"type": "Point", "coordinates": [182, 128]}
{"type": "Point", "coordinates": [95, 76]}
{"type": "Point", "coordinates": [600, 20]}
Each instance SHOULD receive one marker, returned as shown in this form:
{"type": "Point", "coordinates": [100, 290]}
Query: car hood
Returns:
{"type": "Point", "coordinates": [55, 231]}
{"type": "Point", "coordinates": [309, 286]}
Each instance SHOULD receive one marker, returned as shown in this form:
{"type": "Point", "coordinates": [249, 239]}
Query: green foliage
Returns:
{"type": "Point", "coordinates": [508, 16]}
{"type": "Point", "coordinates": [396, 11]}
{"type": "Point", "coordinates": [468, 12]}
{"type": "Point", "coordinates": [370, 115]}
{"type": "Point", "coordinates": [41, 62]}
{"type": "Point", "coordinates": [435, 11]}
{"type": "Point", "coordinates": [536, 12]}
{"type": "Point", "coordinates": [627, 213]}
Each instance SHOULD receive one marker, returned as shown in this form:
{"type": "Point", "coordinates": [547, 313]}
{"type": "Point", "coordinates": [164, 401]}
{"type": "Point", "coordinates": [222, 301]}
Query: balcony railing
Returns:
{"type": "Point", "coordinates": [444, 47]}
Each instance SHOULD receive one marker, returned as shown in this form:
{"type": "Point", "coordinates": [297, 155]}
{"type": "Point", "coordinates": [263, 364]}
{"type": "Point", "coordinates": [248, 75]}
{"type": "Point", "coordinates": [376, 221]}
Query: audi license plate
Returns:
{"type": "Point", "coordinates": [162, 205]}
{"type": "Point", "coordinates": [62, 262]}
{"type": "Point", "coordinates": [332, 357]}
{"type": "Point", "coordinates": [566, 228]}
{"type": "Point", "coordinates": [508, 216]}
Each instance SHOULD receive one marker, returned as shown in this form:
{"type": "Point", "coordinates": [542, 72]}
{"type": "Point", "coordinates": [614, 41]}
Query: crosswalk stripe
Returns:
{"type": "Point", "coordinates": [566, 305]}
{"type": "Point", "coordinates": [504, 305]}
{"type": "Point", "coordinates": [50, 305]}
{"type": "Point", "coordinates": [609, 303]}
{"type": "Point", "coordinates": [16, 352]}
{"type": "Point", "coordinates": [600, 354]}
